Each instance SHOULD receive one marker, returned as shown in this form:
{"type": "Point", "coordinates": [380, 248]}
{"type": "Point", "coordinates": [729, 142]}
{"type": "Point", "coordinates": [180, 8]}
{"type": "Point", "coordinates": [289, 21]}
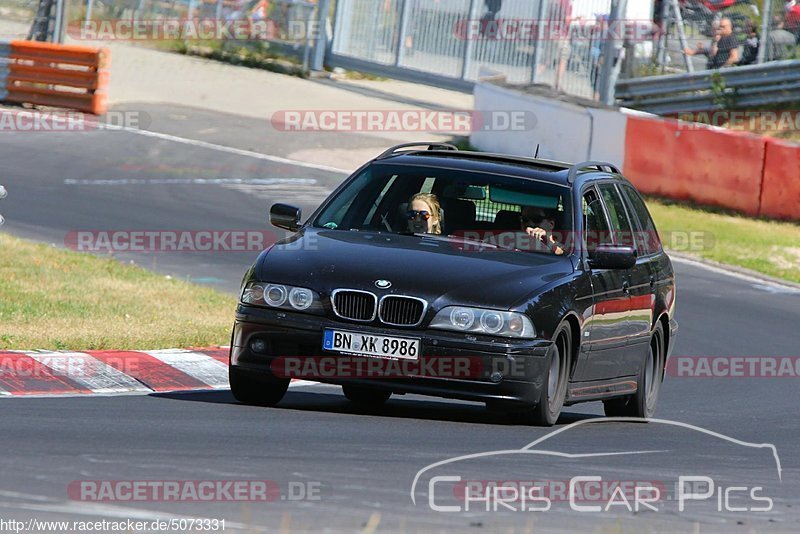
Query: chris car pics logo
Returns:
{"type": "Point", "coordinates": [582, 481]}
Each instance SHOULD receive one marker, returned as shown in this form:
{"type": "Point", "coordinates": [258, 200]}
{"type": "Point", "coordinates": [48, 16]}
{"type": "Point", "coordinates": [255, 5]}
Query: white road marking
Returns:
{"type": "Point", "coordinates": [758, 283]}
{"type": "Point", "coordinates": [300, 383]}
{"type": "Point", "coordinates": [195, 364]}
{"type": "Point", "coordinates": [89, 372]}
{"type": "Point", "coordinates": [311, 194]}
{"type": "Point", "coordinates": [229, 150]}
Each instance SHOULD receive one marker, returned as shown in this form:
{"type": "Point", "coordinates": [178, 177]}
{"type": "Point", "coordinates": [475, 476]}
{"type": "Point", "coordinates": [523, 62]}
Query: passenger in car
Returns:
{"type": "Point", "coordinates": [540, 224]}
{"type": "Point", "coordinates": [424, 214]}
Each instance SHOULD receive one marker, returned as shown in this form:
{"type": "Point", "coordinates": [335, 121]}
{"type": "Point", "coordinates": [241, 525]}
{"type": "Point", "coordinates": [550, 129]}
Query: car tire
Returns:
{"type": "Point", "coordinates": [554, 389]}
{"type": "Point", "coordinates": [366, 396]}
{"type": "Point", "coordinates": [642, 404]}
{"type": "Point", "coordinates": [258, 389]}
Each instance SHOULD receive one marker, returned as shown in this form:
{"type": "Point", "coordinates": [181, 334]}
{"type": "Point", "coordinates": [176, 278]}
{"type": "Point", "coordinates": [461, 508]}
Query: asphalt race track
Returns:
{"type": "Point", "coordinates": [336, 466]}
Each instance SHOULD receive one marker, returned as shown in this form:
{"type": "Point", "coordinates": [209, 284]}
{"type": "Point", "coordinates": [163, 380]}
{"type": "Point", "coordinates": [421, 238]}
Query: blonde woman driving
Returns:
{"type": "Point", "coordinates": [424, 214]}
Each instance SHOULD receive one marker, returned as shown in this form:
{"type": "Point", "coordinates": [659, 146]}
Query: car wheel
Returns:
{"type": "Point", "coordinates": [554, 389]}
{"type": "Point", "coordinates": [642, 404]}
{"type": "Point", "coordinates": [366, 396]}
{"type": "Point", "coordinates": [258, 389]}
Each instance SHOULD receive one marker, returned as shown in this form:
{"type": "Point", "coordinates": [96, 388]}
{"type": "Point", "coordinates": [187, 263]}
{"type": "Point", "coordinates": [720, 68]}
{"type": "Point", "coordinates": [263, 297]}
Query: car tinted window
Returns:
{"type": "Point", "coordinates": [649, 242]}
{"type": "Point", "coordinates": [597, 229]}
{"type": "Point", "coordinates": [473, 205]}
{"type": "Point", "coordinates": [375, 205]}
{"type": "Point", "coordinates": [618, 216]}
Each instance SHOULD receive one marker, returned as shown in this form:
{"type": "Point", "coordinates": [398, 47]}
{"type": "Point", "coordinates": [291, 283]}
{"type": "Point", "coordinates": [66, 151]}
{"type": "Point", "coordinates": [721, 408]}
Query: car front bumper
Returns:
{"type": "Point", "coordinates": [504, 373]}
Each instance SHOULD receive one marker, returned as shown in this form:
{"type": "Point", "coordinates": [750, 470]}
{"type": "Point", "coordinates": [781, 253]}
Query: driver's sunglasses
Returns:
{"type": "Point", "coordinates": [413, 214]}
{"type": "Point", "coordinates": [527, 221]}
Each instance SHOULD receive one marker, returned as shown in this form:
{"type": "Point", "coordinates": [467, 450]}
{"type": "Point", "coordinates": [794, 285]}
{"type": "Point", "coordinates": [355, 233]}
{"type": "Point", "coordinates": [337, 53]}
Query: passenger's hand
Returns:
{"type": "Point", "coordinates": [539, 233]}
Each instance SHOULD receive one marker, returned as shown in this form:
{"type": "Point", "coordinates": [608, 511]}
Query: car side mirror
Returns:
{"type": "Point", "coordinates": [285, 216]}
{"type": "Point", "coordinates": [612, 257]}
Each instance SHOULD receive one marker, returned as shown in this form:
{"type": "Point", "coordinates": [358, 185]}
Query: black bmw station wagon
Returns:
{"type": "Point", "coordinates": [522, 283]}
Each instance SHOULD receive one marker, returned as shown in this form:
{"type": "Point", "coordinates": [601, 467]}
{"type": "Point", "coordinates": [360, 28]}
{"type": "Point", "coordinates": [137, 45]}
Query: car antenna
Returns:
{"type": "Point", "coordinates": [537, 151]}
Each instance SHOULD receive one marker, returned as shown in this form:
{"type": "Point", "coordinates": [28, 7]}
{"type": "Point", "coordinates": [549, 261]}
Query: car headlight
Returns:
{"type": "Point", "coordinates": [480, 321]}
{"type": "Point", "coordinates": [281, 296]}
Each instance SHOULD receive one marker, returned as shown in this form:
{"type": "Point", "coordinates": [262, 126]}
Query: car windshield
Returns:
{"type": "Point", "coordinates": [501, 211]}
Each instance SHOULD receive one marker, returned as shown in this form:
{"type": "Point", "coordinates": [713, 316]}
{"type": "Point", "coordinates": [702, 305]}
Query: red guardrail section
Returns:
{"type": "Point", "coordinates": [58, 75]}
{"type": "Point", "coordinates": [780, 189]}
{"type": "Point", "coordinates": [704, 165]}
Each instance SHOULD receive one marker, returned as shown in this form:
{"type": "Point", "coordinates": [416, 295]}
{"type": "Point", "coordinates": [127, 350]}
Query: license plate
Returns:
{"type": "Point", "coordinates": [371, 345]}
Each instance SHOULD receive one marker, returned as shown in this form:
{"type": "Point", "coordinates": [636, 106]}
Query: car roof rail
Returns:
{"type": "Point", "coordinates": [431, 146]}
{"type": "Point", "coordinates": [602, 166]}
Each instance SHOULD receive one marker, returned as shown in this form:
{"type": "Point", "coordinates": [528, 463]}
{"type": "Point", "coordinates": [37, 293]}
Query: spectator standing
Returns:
{"type": "Point", "coordinates": [751, 44]}
{"type": "Point", "coordinates": [724, 49]}
{"type": "Point", "coordinates": [781, 41]}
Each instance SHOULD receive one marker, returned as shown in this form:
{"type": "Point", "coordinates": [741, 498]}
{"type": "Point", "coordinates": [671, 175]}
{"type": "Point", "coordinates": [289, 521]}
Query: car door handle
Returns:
{"type": "Point", "coordinates": [626, 287]}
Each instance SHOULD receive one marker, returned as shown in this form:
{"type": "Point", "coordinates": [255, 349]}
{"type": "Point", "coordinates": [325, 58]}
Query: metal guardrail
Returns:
{"type": "Point", "coordinates": [754, 85]}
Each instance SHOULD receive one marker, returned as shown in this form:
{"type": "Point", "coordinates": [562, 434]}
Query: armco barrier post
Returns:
{"type": "Point", "coordinates": [780, 188]}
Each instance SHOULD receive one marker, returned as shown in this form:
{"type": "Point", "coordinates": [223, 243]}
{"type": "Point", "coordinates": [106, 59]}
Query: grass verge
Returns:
{"type": "Point", "coordinates": [767, 247]}
{"type": "Point", "coordinates": [58, 299]}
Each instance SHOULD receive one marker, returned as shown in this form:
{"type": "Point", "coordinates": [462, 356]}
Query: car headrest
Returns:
{"type": "Point", "coordinates": [507, 220]}
{"type": "Point", "coordinates": [460, 214]}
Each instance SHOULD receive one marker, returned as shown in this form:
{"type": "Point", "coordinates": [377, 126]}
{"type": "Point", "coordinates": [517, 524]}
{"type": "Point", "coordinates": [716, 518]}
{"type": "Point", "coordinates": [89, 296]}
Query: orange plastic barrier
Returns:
{"type": "Point", "coordinates": [780, 190]}
{"type": "Point", "coordinates": [692, 162]}
{"type": "Point", "coordinates": [58, 75]}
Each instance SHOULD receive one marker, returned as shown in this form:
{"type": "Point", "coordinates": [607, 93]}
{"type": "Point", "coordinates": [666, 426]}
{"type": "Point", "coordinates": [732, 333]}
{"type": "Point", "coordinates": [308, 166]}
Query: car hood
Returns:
{"type": "Point", "coordinates": [436, 268]}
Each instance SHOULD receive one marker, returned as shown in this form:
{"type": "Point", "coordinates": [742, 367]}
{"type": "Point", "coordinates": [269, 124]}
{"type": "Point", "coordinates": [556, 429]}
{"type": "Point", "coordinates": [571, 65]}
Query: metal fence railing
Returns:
{"type": "Point", "coordinates": [753, 86]}
{"type": "Point", "coordinates": [284, 26]}
{"type": "Point", "coordinates": [563, 44]}
{"type": "Point", "coordinates": [552, 42]}
{"type": "Point", "coordinates": [279, 27]}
